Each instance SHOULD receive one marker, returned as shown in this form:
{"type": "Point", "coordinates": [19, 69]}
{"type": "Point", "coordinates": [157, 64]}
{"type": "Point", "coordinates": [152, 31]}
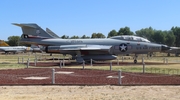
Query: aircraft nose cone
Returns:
{"type": "Point", "coordinates": [164, 48]}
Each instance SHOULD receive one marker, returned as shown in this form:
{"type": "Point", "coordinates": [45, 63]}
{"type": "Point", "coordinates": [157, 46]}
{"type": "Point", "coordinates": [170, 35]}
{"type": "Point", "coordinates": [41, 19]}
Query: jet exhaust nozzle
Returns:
{"type": "Point", "coordinates": [164, 48]}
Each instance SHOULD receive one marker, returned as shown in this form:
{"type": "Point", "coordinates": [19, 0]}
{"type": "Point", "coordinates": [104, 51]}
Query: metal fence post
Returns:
{"type": "Point", "coordinates": [83, 64]}
{"type": "Point", "coordinates": [143, 60]}
{"type": "Point", "coordinates": [34, 62]}
{"type": "Point", "coordinates": [110, 65]}
{"type": "Point", "coordinates": [91, 62]}
{"type": "Point", "coordinates": [60, 64]}
{"type": "Point", "coordinates": [119, 77]}
{"type": "Point", "coordinates": [28, 63]}
{"type": "Point", "coordinates": [53, 76]}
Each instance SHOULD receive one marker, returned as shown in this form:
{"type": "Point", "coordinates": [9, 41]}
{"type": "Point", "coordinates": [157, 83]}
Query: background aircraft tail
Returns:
{"type": "Point", "coordinates": [2, 43]}
{"type": "Point", "coordinates": [33, 29]}
{"type": "Point", "coordinates": [52, 33]}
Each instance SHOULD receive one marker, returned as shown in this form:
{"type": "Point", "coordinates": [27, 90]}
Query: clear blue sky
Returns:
{"type": "Point", "coordinates": [79, 17]}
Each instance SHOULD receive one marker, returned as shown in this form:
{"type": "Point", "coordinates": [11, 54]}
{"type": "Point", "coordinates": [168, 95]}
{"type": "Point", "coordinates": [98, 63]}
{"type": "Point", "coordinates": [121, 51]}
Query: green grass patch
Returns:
{"type": "Point", "coordinates": [11, 66]}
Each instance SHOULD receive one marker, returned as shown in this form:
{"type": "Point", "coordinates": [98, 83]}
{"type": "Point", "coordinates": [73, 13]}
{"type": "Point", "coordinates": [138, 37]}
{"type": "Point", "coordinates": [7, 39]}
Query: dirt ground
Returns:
{"type": "Point", "coordinates": [159, 87]}
{"type": "Point", "coordinates": [105, 92]}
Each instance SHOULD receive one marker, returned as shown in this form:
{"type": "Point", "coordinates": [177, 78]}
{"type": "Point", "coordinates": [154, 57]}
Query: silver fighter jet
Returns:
{"type": "Point", "coordinates": [86, 49]}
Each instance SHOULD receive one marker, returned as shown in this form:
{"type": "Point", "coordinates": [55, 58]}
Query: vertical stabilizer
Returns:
{"type": "Point", "coordinates": [33, 29]}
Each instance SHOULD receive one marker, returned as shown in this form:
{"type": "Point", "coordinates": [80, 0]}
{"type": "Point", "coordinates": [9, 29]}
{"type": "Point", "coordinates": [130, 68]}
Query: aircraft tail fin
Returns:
{"type": "Point", "coordinates": [52, 33]}
{"type": "Point", "coordinates": [2, 43]}
{"type": "Point", "coordinates": [33, 29]}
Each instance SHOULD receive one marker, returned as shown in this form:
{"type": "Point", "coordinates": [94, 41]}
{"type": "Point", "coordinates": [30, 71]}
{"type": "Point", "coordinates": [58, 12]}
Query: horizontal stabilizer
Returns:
{"type": "Point", "coordinates": [26, 25]}
{"type": "Point", "coordinates": [52, 33]}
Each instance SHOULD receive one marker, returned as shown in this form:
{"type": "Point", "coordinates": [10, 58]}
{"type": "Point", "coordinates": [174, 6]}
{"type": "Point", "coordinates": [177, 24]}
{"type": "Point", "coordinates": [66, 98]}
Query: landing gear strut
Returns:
{"type": "Point", "coordinates": [135, 59]}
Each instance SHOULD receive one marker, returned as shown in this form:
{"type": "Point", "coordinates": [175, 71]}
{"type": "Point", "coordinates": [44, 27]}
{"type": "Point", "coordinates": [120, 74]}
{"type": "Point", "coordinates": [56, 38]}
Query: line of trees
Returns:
{"type": "Point", "coordinates": [169, 37]}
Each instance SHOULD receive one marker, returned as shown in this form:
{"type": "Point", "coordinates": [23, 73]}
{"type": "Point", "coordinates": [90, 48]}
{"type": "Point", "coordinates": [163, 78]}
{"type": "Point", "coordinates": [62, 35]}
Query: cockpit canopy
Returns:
{"type": "Point", "coordinates": [130, 38]}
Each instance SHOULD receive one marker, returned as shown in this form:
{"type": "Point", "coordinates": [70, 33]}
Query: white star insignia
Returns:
{"type": "Point", "coordinates": [123, 47]}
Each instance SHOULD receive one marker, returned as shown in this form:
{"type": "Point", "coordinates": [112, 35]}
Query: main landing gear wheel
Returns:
{"type": "Point", "coordinates": [135, 61]}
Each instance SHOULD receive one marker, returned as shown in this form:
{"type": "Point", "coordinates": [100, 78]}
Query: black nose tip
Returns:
{"type": "Point", "coordinates": [164, 48]}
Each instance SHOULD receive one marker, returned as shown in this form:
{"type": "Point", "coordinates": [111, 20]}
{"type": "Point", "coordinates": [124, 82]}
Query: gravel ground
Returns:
{"type": "Point", "coordinates": [105, 92]}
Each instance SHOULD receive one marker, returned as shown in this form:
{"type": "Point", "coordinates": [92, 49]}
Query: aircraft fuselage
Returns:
{"type": "Point", "coordinates": [118, 46]}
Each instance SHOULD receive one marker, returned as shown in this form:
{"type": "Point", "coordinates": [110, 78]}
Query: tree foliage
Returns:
{"type": "Point", "coordinates": [13, 40]}
{"type": "Point", "coordinates": [159, 36]}
{"type": "Point", "coordinates": [85, 37]}
{"type": "Point", "coordinates": [125, 31]}
{"type": "Point", "coordinates": [65, 37]}
{"type": "Point", "coordinates": [176, 32]}
{"type": "Point", "coordinates": [112, 33]}
{"type": "Point", "coordinates": [146, 33]}
{"type": "Point", "coordinates": [74, 37]}
{"type": "Point", "coordinates": [170, 38]}
{"type": "Point", "coordinates": [98, 35]}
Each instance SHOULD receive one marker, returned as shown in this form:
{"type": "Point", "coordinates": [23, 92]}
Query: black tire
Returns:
{"type": "Point", "coordinates": [135, 61]}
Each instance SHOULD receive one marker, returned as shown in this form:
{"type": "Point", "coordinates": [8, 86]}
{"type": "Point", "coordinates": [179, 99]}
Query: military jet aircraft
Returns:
{"type": "Point", "coordinates": [4, 47]}
{"type": "Point", "coordinates": [13, 49]}
{"type": "Point", "coordinates": [86, 49]}
{"type": "Point", "coordinates": [19, 49]}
